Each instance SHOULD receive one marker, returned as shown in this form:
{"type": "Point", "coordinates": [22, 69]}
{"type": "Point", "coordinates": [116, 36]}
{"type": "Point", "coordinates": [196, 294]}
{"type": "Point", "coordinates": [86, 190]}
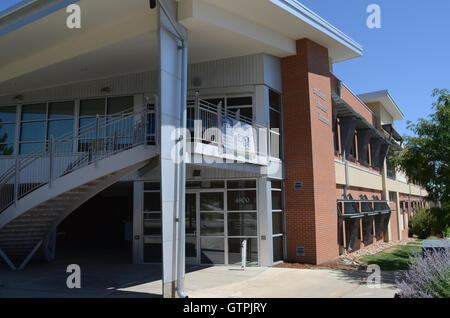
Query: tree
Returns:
{"type": "Point", "coordinates": [5, 150]}
{"type": "Point", "coordinates": [426, 156]}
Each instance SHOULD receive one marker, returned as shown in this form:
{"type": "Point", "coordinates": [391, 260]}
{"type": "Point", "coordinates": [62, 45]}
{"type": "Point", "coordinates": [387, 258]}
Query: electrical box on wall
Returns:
{"type": "Point", "coordinates": [298, 186]}
{"type": "Point", "coordinates": [301, 251]}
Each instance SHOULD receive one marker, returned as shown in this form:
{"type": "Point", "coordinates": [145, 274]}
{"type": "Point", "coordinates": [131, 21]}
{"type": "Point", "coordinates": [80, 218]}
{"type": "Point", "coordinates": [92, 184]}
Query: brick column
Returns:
{"type": "Point", "coordinates": [311, 215]}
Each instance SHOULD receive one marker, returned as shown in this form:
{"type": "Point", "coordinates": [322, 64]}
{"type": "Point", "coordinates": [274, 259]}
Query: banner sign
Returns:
{"type": "Point", "coordinates": [237, 137]}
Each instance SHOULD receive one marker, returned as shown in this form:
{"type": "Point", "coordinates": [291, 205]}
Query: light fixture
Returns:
{"type": "Point", "coordinates": [197, 173]}
{"type": "Point", "coordinates": [106, 90]}
{"type": "Point", "coordinates": [197, 81]}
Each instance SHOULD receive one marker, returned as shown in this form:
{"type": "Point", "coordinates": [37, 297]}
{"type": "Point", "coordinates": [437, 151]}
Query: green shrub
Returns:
{"type": "Point", "coordinates": [420, 224]}
{"type": "Point", "coordinates": [425, 223]}
{"type": "Point", "coordinates": [440, 221]}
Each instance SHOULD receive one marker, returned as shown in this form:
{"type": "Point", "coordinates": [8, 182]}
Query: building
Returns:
{"type": "Point", "coordinates": [278, 152]}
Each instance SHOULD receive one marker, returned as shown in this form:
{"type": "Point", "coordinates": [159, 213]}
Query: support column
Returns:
{"type": "Point", "coordinates": [385, 196]}
{"type": "Point", "coordinates": [138, 226]}
{"type": "Point", "coordinates": [399, 215]}
{"type": "Point", "coordinates": [172, 139]}
{"type": "Point", "coordinates": [265, 222]}
{"type": "Point", "coordinates": [311, 217]}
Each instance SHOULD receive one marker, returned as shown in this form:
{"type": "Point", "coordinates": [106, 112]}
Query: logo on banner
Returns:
{"type": "Point", "coordinates": [237, 137]}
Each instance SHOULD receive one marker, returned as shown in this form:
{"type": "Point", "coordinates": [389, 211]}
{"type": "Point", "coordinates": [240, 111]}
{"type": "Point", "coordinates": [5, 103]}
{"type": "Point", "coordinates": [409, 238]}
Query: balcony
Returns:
{"type": "Point", "coordinates": [214, 132]}
{"type": "Point", "coordinates": [226, 135]}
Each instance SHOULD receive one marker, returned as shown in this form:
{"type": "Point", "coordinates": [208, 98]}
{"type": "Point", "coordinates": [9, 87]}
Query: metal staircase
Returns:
{"type": "Point", "coordinates": [41, 189]}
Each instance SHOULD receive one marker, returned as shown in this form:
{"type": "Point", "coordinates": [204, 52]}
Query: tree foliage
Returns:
{"type": "Point", "coordinates": [426, 156]}
{"type": "Point", "coordinates": [5, 150]}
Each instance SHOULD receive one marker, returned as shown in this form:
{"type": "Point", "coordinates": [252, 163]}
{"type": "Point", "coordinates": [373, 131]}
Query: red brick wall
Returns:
{"type": "Point", "coordinates": [395, 236]}
{"type": "Point", "coordinates": [358, 106]}
{"type": "Point", "coordinates": [356, 192]}
{"type": "Point", "coordinates": [309, 155]}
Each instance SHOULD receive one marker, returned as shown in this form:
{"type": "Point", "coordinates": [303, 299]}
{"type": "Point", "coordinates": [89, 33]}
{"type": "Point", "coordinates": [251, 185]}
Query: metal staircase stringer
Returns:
{"type": "Point", "coordinates": [111, 179]}
{"type": "Point", "coordinates": [136, 156]}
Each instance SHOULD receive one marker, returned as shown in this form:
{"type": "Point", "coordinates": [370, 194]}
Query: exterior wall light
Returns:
{"type": "Point", "coordinates": [197, 81]}
{"type": "Point", "coordinates": [106, 90]}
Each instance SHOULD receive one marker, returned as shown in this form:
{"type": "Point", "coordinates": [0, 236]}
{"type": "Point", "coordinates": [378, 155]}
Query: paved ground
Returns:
{"type": "Point", "coordinates": [103, 276]}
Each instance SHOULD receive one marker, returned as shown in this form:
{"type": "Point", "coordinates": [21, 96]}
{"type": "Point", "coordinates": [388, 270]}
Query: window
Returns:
{"type": "Point", "coordinates": [41, 121]}
{"type": "Point", "coordinates": [277, 221]}
{"type": "Point", "coordinates": [7, 130]}
{"type": "Point", "coordinates": [390, 171]}
{"type": "Point", "coordinates": [392, 196]}
{"type": "Point", "coordinates": [152, 226]}
{"type": "Point", "coordinates": [243, 200]}
{"type": "Point", "coordinates": [275, 124]}
{"type": "Point", "coordinates": [243, 105]}
{"type": "Point", "coordinates": [106, 110]}
{"type": "Point", "coordinates": [352, 154]}
{"type": "Point", "coordinates": [336, 136]}
{"type": "Point", "coordinates": [242, 220]}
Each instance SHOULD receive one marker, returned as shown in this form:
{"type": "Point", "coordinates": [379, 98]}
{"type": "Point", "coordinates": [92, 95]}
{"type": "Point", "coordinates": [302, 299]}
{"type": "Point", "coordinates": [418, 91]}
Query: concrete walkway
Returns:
{"type": "Point", "coordinates": [286, 283]}
{"type": "Point", "coordinates": [111, 277]}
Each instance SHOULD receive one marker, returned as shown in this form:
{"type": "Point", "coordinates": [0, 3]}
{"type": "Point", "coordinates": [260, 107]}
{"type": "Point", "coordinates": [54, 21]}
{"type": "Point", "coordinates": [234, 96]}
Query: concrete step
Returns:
{"type": "Point", "coordinates": [20, 228]}
{"type": "Point", "coordinates": [30, 239]}
{"type": "Point", "coordinates": [31, 220]}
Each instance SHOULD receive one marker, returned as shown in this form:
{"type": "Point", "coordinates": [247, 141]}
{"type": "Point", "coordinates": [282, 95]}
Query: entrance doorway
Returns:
{"type": "Point", "coordinates": [205, 227]}
{"type": "Point", "coordinates": [220, 215]}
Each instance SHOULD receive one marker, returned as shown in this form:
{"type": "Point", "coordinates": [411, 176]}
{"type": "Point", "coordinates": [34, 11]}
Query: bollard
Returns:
{"type": "Point", "coordinates": [244, 254]}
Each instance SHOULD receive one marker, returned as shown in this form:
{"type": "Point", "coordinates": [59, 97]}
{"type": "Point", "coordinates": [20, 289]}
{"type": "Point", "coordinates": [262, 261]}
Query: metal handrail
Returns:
{"type": "Point", "coordinates": [104, 137]}
{"type": "Point", "coordinates": [95, 141]}
{"type": "Point", "coordinates": [210, 131]}
{"type": "Point", "coordinates": [38, 153]}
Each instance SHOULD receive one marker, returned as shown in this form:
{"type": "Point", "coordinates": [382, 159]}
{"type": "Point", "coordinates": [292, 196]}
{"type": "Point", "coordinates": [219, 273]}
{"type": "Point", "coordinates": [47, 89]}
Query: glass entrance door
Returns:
{"type": "Point", "coordinates": [205, 241]}
{"type": "Point", "coordinates": [191, 229]}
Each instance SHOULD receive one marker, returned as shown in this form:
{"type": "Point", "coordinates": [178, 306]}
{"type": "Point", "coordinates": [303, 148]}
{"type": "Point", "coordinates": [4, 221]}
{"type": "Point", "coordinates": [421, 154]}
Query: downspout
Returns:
{"type": "Point", "coordinates": [182, 168]}
{"type": "Point", "coordinates": [347, 176]}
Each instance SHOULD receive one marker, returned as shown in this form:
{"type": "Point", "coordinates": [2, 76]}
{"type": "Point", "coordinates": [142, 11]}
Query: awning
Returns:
{"type": "Point", "coordinates": [394, 133]}
{"type": "Point", "coordinates": [362, 208]}
{"type": "Point", "coordinates": [345, 110]}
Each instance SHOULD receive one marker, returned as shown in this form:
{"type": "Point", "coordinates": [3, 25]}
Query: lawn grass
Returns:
{"type": "Point", "coordinates": [395, 258]}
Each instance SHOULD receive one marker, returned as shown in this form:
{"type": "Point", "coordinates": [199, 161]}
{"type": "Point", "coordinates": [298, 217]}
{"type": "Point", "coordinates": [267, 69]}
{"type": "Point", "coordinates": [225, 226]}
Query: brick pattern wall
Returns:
{"type": "Point", "coordinates": [358, 106]}
{"type": "Point", "coordinates": [395, 236]}
{"type": "Point", "coordinates": [309, 155]}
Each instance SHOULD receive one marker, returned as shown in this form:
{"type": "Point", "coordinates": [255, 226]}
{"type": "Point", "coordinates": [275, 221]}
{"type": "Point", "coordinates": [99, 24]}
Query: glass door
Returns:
{"type": "Point", "coordinates": [191, 229]}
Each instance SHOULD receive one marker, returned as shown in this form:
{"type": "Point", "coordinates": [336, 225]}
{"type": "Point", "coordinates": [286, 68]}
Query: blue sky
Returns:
{"type": "Point", "coordinates": [409, 55]}
{"type": "Point", "coordinates": [4, 4]}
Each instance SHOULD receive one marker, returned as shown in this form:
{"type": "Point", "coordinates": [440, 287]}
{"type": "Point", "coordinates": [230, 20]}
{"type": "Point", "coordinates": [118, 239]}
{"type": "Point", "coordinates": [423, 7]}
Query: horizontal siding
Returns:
{"type": "Point", "coordinates": [232, 72]}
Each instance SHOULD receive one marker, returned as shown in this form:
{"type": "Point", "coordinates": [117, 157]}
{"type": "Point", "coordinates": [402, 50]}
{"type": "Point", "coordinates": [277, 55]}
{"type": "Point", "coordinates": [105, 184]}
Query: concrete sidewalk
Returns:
{"type": "Point", "coordinates": [226, 282]}
{"type": "Point", "coordinates": [106, 277]}
{"type": "Point", "coordinates": [290, 283]}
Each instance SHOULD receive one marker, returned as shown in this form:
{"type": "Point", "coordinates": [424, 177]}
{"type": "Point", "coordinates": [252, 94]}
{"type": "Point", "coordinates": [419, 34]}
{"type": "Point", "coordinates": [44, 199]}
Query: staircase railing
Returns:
{"type": "Point", "coordinates": [100, 139]}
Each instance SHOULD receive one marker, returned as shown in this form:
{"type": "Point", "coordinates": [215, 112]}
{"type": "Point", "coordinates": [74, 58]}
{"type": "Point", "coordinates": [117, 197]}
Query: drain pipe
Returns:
{"type": "Point", "coordinates": [182, 168]}
{"type": "Point", "coordinates": [347, 174]}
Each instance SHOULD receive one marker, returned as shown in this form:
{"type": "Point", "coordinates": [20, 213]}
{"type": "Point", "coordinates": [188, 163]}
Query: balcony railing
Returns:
{"type": "Point", "coordinates": [234, 135]}
{"type": "Point", "coordinates": [96, 141]}
{"type": "Point", "coordinates": [228, 133]}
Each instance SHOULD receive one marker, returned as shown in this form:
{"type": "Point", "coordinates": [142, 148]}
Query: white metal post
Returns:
{"type": "Point", "coordinates": [244, 254]}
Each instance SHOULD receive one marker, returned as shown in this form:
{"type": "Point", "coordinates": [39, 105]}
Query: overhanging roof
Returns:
{"type": "Point", "coordinates": [385, 99]}
{"type": "Point", "coordinates": [294, 20]}
{"type": "Point", "coordinates": [119, 37]}
{"type": "Point", "coordinates": [394, 133]}
{"type": "Point", "coordinates": [345, 110]}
